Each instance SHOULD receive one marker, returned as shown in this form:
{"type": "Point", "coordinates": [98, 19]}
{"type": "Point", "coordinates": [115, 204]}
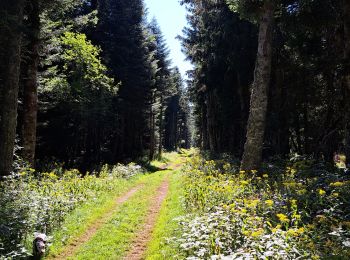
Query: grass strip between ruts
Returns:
{"type": "Point", "coordinates": [167, 226]}
{"type": "Point", "coordinates": [114, 238]}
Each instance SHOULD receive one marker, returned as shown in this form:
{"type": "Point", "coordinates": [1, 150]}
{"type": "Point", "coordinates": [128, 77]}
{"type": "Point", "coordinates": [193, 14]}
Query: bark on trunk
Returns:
{"type": "Point", "coordinates": [160, 145]}
{"type": "Point", "coordinates": [252, 155]}
{"type": "Point", "coordinates": [30, 101]}
{"type": "Point", "coordinates": [152, 132]}
{"type": "Point", "coordinates": [346, 80]}
{"type": "Point", "coordinates": [10, 50]}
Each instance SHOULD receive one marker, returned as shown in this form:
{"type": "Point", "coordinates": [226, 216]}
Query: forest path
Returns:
{"type": "Point", "coordinates": [72, 248]}
{"type": "Point", "coordinates": [140, 242]}
{"type": "Point", "coordinates": [124, 232]}
{"type": "Point", "coordinates": [139, 245]}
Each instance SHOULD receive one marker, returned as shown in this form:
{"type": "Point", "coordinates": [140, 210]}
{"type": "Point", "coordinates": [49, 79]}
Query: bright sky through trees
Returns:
{"type": "Point", "coordinates": [171, 17]}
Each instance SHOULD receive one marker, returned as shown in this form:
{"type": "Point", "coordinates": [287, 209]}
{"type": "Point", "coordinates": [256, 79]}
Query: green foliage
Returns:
{"type": "Point", "coordinates": [76, 83]}
{"type": "Point", "coordinates": [33, 202]}
{"type": "Point", "coordinates": [247, 9]}
{"type": "Point", "coordinates": [82, 63]}
{"type": "Point", "coordinates": [291, 212]}
{"type": "Point", "coordinates": [81, 73]}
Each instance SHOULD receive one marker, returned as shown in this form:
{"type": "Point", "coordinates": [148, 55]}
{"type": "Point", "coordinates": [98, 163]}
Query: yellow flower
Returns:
{"type": "Point", "coordinates": [269, 203]}
{"type": "Point", "coordinates": [292, 232]}
{"type": "Point", "coordinates": [246, 233]}
{"type": "Point", "coordinates": [335, 194]}
{"type": "Point", "coordinates": [274, 230]}
{"type": "Point", "coordinates": [252, 203]}
{"type": "Point", "coordinates": [295, 232]}
{"type": "Point", "coordinates": [265, 175]}
{"type": "Point", "coordinates": [301, 192]}
{"type": "Point", "coordinates": [297, 216]}
{"type": "Point", "coordinates": [241, 172]}
{"type": "Point", "coordinates": [337, 184]}
{"type": "Point", "coordinates": [321, 192]}
{"type": "Point", "coordinates": [257, 233]}
{"type": "Point", "coordinates": [283, 218]}
{"type": "Point", "coordinates": [301, 230]}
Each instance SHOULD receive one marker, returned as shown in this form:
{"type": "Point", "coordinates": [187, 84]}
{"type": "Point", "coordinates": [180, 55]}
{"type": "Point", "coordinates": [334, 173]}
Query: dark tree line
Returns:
{"type": "Point", "coordinates": [271, 78]}
{"type": "Point", "coordinates": [90, 81]}
{"type": "Point", "coordinates": [295, 96]}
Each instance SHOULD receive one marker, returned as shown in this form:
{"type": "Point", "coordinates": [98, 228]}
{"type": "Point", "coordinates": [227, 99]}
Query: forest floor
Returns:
{"type": "Point", "coordinates": [127, 229]}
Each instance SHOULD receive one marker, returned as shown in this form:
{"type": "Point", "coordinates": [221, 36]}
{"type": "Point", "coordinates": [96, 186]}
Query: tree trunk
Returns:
{"type": "Point", "coordinates": [152, 131]}
{"type": "Point", "coordinates": [252, 155]}
{"type": "Point", "coordinates": [160, 145]}
{"type": "Point", "coordinates": [204, 128]}
{"type": "Point", "coordinates": [346, 80]}
{"type": "Point", "coordinates": [30, 101]}
{"type": "Point", "coordinates": [10, 50]}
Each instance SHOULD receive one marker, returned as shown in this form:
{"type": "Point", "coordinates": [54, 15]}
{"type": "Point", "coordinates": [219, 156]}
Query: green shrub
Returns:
{"type": "Point", "coordinates": [300, 210]}
{"type": "Point", "coordinates": [39, 202]}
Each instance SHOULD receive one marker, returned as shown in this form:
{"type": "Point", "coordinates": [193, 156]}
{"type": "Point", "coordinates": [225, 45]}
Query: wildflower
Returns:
{"type": "Point", "coordinates": [241, 172]}
{"type": "Point", "coordinates": [257, 233]}
{"type": "Point", "coordinates": [52, 175]}
{"type": "Point", "coordinates": [265, 175]}
{"type": "Point", "coordinates": [274, 230]}
{"type": "Point", "coordinates": [24, 173]}
{"type": "Point", "coordinates": [269, 203]}
{"type": "Point", "coordinates": [246, 233]}
{"type": "Point", "coordinates": [335, 194]}
{"type": "Point", "coordinates": [293, 202]}
{"type": "Point", "coordinates": [292, 232]}
{"type": "Point", "coordinates": [301, 230]}
{"type": "Point", "coordinates": [301, 192]}
{"type": "Point", "coordinates": [283, 218]}
{"type": "Point", "coordinates": [252, 203]}
{"type": "Point", "coordinates": [321, 192]}
{"type": "Point", "coordinates": [227, 166]}
{"type": "Point", "coordinates": [337, 184]}
{"type": "Point", "coordinates": [244, 183]}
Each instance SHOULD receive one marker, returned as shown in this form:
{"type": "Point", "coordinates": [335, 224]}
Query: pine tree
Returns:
{"type": "Point", "coordinates": [222, 47]}
{"type": "Point", "coordinates": [10, 51]}
{"type": "Point", "coordinates": [30, 71]}
{"type": "Point", "coordinates": [124, 50]}
{"type": "Point", "coordinates": [252, 156]}
{"type": "Point", "coordinates": [161, 80]}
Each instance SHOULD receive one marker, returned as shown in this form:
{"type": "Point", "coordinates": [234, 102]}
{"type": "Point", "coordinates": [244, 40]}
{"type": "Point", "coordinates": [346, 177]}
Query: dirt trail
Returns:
{"type": "Point", "coordinates": [73, 247]}
{"type": "Point", "coordinates": [139, 245]}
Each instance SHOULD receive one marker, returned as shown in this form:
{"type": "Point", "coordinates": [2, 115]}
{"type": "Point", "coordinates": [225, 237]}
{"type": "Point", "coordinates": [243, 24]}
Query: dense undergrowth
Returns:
{"type": "Point", "coordinates": [298, 211]}
{"type": "Point", "coordinates": [40, 202]}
